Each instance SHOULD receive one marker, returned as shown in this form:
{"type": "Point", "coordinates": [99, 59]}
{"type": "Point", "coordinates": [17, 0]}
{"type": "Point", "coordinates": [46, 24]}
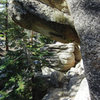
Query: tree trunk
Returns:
{"type": "Point", "coordinates": [6, 27]}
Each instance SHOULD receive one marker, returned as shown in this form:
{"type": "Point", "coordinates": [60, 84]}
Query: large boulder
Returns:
{"type": "Point", "coordinates": [63, 56]}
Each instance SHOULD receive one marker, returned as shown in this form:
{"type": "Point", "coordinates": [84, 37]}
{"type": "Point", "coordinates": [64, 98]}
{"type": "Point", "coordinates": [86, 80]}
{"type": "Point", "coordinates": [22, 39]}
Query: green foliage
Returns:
{"type": "Point", "coordinates": [17, 71]}
{"type": "Point", "coordinates": [18, 66]}
{"type": "Point", "coordinates": [45, 39]}
{"type": "Point", "coordinates": [2, 1]}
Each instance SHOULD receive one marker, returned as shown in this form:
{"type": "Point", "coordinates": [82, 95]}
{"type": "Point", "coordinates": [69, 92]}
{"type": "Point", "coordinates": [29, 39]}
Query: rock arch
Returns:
{"type": "Point", "coordinates": [84, 19]}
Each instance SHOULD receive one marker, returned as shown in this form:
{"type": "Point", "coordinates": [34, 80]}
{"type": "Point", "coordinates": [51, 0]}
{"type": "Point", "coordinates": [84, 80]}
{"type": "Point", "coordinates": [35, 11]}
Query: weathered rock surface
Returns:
{"type": "Point", "coordinates": [59, 4]}
{"type": "Point", "coordinates": [39, 17]}
{"type": "Point", "coordinates": [70, 83]}
{"type": "Point", "coordinates": [57, 78]}
{"type": "Point", "coordinates": [86, 15]}
{"type": "Point", "coordinates": [63, 56]}
{"type": "Point", "coordinates": [83, 92]}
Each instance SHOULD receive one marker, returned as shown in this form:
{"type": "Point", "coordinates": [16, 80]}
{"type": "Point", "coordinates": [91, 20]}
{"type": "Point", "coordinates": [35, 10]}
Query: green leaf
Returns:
{"type": "Point", "coordinates": [2, 67]}
{"type": "Point", "coordinates": [1, 35]}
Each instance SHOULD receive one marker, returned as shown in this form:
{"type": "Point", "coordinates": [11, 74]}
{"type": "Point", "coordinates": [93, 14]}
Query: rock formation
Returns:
{"type": "Point", "coordinates": [63, 56]}
{"type": "Point", "coordinates": [64, 86]}
{"type": "Point", "coordinates": [83, 92]}
{"type": "Point", "coordinates": [86, 15]}
{"type": "Point", "coordinates": [43, 16]}
{"type": "Point", "coordinates": [37, 16]}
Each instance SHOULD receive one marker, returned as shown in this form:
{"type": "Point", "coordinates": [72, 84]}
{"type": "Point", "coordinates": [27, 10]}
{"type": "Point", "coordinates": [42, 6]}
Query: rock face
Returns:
{"type": "Point", "coordinates": [37, 16]}
{"type": "Point", "coordinates": [86, 16]}
{"type": "Point", "coordinates": [64, 56]}
{"type": "Point", "coordinates": [83, 92]}
{"type": "Point", "coordinates": [59, 4]}
{"type": "Point", "coordinates": [64, 86]}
